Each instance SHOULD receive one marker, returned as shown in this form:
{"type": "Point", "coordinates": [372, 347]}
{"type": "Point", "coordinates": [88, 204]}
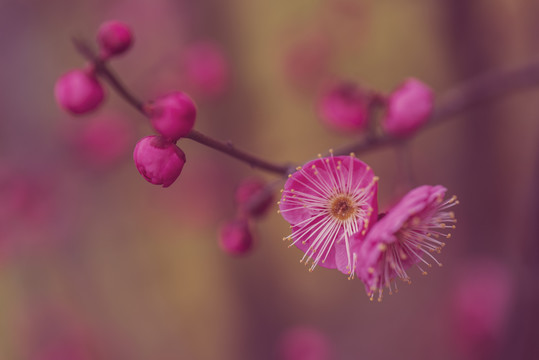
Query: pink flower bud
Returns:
{"type": "Point", "coordinates": [344, 108]}
{"type": "Point", "coordinates": [304, 343]}
{"type": "Point", "coordinates": [235, 237]}
{"type": "Point", "coordinates": [102, 141]}
{"type": "Point", "coordinates": [408, 108]}
{"type": "Point", "coordinates": [482, 302]}
{"type": "Point", "coordinates": [253, 198]}
{"type": "Point", "coordinates": [307, 61]}
{"type": "Point", "coordinates": [158, 160]}
{"type": "Point", "coordinates": [78, 92]}
{"type": "Point", "coordinates": [173, 115]}
{"type": "Point", "coordinates": [114, 37]}
{"type": "Point", "coordinates": [206, 68]}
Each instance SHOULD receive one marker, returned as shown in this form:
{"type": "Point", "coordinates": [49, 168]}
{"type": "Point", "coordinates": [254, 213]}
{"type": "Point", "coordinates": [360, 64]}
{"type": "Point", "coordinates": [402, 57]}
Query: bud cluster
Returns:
{"type": "Point", "coordinates": [330, 202]}
{"type": "Point", "coordinates": [253, 200]}
{"type": "Point", "coordinates": [346, 107]}
{"type": "Point", "coordinates": [157, 157]}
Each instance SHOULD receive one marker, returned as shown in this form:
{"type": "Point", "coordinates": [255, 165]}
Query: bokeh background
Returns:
{"type": "Point", "coordinates": [96, 263]}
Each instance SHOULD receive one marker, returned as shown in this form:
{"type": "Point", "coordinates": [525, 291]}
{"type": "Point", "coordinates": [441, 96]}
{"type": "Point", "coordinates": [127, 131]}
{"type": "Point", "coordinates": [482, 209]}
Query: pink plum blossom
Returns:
{"type": "Point", "coordinates": [253, 197]}
{"type": "Point", "coordinates": [159, 161]}
{"type": "Point", "coordinates": [114, 38]}
{"type": "Point", "coordinates": [408, 108]}
{"type": "Point", "coordinates": [344, 108]}
{"type": "Point", "coordinates": [406, 236]}
{"type": "Point", "coordinates": [304, 343]}
{"type": "Point", "coordinates": [78, 91]}
{"type": "Point", "coordinates": [235, 237]}
{"type": "Point", "coordinates": [326, 202]}
{"type": "Point", "coordinates": [173, 115]}
{"type": "Point", "coordinates": [206, 68]}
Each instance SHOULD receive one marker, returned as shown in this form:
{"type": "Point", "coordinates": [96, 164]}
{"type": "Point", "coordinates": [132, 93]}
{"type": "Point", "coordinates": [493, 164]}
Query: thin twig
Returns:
{"type": "Point", "coordinates": [228, 148]}
{"type": "Point", "coordinates": [102, 69]}
{"type": "Point", "coordinates": [461, 98]}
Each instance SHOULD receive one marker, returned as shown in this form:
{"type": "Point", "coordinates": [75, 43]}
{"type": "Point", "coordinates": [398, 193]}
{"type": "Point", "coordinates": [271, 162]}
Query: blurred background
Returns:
{"type": "Point", "coordinates": [96, 263]}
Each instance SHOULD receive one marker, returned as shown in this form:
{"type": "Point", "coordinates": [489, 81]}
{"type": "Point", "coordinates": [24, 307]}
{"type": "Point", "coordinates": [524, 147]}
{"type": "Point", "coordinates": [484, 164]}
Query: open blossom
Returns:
{"type": "Point", "coordinates": [407, 235]}
{"type": "Point", "coordinates": [326, 202]}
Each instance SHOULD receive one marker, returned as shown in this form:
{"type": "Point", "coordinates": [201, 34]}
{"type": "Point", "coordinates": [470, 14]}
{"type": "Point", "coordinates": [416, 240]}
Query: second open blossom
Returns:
{"type": "Point", "coordinates": [406, 236]}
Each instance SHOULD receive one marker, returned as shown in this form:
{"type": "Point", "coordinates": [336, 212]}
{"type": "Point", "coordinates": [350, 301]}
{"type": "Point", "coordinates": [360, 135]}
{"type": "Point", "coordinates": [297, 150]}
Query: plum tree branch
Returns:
{"type": "Point", "coordinates": [455, 101]}
{"type": "Point", "coordinates": [101, 68]}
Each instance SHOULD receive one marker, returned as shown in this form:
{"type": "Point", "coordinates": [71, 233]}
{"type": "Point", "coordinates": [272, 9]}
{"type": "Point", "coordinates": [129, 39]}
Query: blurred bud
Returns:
{"type": "Point", "coordinates": [51, 333]}
{"type": "Point", "coordinates": [62, 351]}
{"type": "Point", "coordinates": [173, 115]}
{"type": "Point", "coordinates": [102, 141]}
{"type": "Point", "coordinates": [78, 92]}
{"type": "Point", "coordinates": [235, 237]}
{"type": "Point", "coordinates": [408, 108]}
{"type": "Point", "coordinates": [114, 37]}
{"type": "Point", "coordinates": [304, 343]}
{"type": "Point", "coordinates": [345, 108]}
{"type": "Point", "coordinates": [307, 60]}
{"type": "Point", "coordinates": [158, 160]}
{"type": "Point", "coordinates": [206, 68]}
{"type": "Point", "coordinates": [253, 197]}
{"type": "Point", "coordinates": [481, 303]}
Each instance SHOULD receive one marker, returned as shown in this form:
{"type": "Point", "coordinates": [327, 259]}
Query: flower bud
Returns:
{"type": "Point", "coordinates": [235, 237]}
{"type": "Point", "coordinates": [481, 307]}
{"type": "Point", "coordinates": [206, 68]}
{"type": "Point", "coordinates": [408, 108]}
{"type": "Point", "coordinates": [78, 92]}
{"type": "Point", "coordinates": [173, 115]}
{"type": "Point", "coordinates": [253, 198]}
{"type": "Point", "coordinates": [344, 108]}
{"type": "Point", "coordinates": [102, 141]}
{"type": "Point", "coordinates": [304, 343]}
{"type": "Point", "coordinates": [114, 37]}
{"type": "Point", "coordinates": [158, 160]}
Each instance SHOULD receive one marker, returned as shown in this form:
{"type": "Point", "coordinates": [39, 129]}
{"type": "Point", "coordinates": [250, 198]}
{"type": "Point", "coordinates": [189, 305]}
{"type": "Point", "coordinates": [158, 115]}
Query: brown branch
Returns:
{"type": "Point", "coordinates": [103, 70]}
{"type": "Point", "coordinates": [228, 148]}
{"type": "Point", "coordinates": [461, 98]}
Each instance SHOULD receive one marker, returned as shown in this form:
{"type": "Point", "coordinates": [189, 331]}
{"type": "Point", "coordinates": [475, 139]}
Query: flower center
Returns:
{"type": "Point", "coordinates": [342, 207]}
